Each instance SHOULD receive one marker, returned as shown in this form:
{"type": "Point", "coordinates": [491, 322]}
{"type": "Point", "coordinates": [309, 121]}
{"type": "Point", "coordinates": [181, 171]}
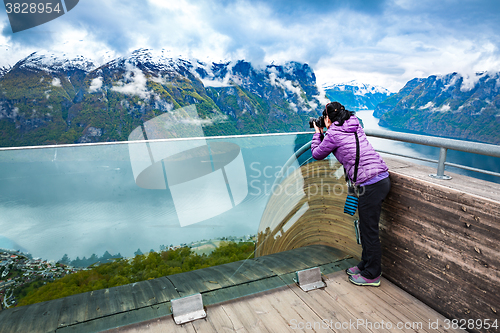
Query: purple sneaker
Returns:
{"type": "Point", "coordinates": [360, 280]}
{"type": "Point", "coordinates": [353, 270]}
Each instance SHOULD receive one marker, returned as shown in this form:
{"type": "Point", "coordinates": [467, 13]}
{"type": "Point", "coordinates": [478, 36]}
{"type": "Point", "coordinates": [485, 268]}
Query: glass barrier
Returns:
{"type": "Point", "coordinates": [88, 204]}
{"type": "Point", "coordinates": [87, 200]}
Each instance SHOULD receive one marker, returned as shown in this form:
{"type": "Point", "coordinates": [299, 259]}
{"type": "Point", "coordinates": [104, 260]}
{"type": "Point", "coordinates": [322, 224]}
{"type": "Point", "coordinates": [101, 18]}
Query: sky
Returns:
{"type": "Point", "coordinates": [385, 43]}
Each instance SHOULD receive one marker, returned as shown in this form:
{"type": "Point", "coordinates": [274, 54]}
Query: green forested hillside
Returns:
{"type": "Point", "coordinates": [142, 267]}
{"type": "Point", "coordinates": [447, 105]}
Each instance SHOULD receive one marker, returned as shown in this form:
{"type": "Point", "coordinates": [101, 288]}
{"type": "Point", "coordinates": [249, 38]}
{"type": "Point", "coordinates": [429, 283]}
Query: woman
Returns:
{"type": "Point", "coordinates": [372, 182]}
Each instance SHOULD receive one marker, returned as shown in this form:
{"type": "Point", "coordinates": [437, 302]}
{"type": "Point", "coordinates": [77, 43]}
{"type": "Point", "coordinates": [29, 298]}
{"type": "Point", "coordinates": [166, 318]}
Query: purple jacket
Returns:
{"type": "Point", "coordinates": [341, 141]}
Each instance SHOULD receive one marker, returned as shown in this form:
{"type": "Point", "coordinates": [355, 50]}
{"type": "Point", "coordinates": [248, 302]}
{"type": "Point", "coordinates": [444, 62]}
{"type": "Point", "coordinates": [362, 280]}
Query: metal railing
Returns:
{"type": "Point", "coordinates": [442, 143]}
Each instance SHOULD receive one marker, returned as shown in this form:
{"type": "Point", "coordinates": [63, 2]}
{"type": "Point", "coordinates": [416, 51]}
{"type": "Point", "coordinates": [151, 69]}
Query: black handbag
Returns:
{"type": "Point", "coordinates": [351, 202]}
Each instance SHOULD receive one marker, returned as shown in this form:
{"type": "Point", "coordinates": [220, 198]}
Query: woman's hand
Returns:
{"type": "Point", "coordinates": [317, 129]}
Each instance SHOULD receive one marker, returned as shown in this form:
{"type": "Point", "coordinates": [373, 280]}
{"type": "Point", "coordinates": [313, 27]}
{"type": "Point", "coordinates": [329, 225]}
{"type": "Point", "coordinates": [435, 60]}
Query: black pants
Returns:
{"type": "Point", "coordinates": [369, 208]}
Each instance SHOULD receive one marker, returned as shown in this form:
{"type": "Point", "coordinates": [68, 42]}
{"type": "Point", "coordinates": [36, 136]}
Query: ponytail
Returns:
{"type": "Point", "coordinates": [337, 113]}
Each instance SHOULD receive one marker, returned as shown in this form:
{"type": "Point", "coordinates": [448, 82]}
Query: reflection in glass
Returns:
{"type": "Point", "coordinates": [204, 180]}
{"type": "Point", "coordinates": [306, 208]}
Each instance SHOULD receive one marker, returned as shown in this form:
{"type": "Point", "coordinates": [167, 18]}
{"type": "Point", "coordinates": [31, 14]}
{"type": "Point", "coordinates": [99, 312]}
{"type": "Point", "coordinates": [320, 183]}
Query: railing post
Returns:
{"type": "Point", "coordinates": [440, 170]}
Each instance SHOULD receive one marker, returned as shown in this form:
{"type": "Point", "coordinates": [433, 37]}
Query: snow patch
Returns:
{"type": "Point", "coordinates": [211, 79]}
{"type": "Point", "coordinates": [55, 61]}
{"type": "Point", "coordinates": [357, 88]}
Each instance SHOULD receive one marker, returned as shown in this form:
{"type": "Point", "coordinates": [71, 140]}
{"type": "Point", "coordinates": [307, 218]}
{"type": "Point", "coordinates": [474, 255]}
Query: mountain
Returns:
{"type": "Point", "coordinates": [356, 96]}
{"type": "Point", "coordinates": [452, 105]}
{"type": "Point", "coordinates": [49, 99]}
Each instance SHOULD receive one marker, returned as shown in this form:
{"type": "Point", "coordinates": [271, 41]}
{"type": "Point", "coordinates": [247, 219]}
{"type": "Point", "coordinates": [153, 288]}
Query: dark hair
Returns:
{"type": "Point", "coordinates": [337, 113]}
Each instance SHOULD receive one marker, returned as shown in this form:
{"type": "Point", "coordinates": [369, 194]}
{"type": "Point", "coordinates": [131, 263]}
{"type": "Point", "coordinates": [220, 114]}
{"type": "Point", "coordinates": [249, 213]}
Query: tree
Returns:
{"type": "Point", "coordinates": [105, 256]}
{"type": "Point", "coordinates": [65, 260]}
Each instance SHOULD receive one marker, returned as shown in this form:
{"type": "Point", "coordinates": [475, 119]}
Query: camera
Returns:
{"type": "Point", "coordinates": [320, 122]}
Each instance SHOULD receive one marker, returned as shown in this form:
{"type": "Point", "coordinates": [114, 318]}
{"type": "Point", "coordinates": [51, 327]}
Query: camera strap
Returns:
{"type": "Point", "coordinates": [356, 163]}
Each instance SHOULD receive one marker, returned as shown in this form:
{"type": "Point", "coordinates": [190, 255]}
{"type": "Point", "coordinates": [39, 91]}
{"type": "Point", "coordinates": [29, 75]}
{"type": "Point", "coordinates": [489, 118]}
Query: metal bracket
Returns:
{"type": "Point", "coordinates": [186, 309]}
{"type": "Point", "coordinates": [309, 279]}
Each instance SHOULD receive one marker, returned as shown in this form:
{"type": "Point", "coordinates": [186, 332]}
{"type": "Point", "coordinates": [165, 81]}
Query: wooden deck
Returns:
{"type": "Point", "coordinates": [341, 306]}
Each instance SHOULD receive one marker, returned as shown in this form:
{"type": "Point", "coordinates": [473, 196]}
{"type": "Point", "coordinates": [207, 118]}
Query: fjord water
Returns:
{"type": "Point", "coordinates": [84, 200]}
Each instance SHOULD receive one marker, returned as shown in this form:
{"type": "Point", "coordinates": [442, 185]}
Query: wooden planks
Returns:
{"type": "Point", "coordinates": [341, 306]}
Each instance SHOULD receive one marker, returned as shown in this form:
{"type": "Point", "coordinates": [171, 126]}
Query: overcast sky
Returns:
{"type": "Point", "coordinates": [383, 43]}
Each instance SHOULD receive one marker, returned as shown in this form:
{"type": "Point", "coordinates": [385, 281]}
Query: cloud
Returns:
{"type": "Point", "coordinates": [56, 82]}
{"type": "Point", "coordinates": [383, 43]}
{"type": "Point", "coordinates": [135, 83]}
{"type": "Point", "coordinates": [203, 122]}
{"type": "Point", "coordinates": [95, 84]}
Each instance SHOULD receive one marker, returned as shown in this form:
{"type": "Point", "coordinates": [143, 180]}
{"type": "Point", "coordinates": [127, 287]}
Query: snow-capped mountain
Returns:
{"type": "Point", "coordinates": [55, 62]}
{"type": "Point", "coordinates": [452, 105]}
{"type": "Point", "coordinates": [355, 95]}
{"type": "Point", "coordinates": [47, 98]}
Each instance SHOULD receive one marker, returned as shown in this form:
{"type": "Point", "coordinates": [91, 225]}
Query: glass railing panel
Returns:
{"type": "Point", "coordinates": [92, 204]}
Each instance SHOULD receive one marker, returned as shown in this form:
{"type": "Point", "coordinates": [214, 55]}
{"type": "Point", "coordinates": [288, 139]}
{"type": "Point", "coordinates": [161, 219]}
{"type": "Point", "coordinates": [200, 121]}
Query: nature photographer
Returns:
{"type": "Point", "coordinates": [368, 173]}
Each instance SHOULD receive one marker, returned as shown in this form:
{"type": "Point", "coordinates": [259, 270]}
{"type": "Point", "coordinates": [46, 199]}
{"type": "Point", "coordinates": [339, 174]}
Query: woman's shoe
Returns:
{"type": "Point", "coordinates": [353, 270]}
{"type": "Point", "coordinates": [360, 280]}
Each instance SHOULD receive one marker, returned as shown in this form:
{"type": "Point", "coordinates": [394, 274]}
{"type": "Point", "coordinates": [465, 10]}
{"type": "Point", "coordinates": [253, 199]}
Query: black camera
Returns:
{"type": "Point", "coordinates": [320, 122]}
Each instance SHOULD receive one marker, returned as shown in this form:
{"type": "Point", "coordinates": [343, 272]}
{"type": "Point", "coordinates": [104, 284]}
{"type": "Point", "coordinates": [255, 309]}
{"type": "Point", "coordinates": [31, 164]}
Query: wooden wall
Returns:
{"type": "Point", "coordinates": [443, 246]}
